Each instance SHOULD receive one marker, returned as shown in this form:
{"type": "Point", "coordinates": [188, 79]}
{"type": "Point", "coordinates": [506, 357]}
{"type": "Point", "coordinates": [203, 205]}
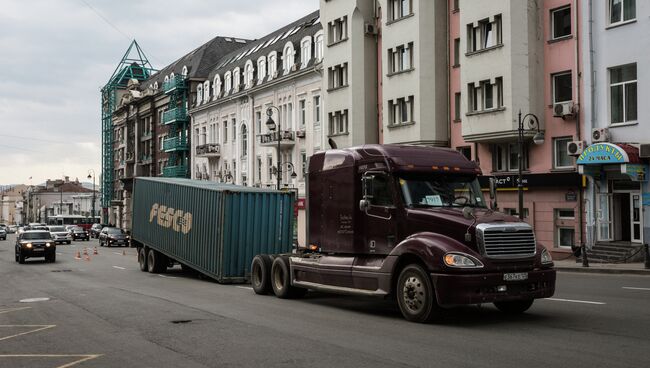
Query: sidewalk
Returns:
{"type": "Point", "coordinates": [570, 265]}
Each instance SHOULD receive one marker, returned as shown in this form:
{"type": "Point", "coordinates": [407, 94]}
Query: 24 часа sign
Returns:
{"type": "Point", "coordinates": [602, 153]}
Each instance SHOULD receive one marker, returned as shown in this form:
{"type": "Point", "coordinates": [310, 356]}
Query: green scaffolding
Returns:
{"type": "Point", "coordinates": [134, 65]}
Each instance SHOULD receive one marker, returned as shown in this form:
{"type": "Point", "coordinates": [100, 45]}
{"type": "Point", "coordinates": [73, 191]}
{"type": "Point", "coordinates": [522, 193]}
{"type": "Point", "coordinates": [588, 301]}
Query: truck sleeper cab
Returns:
{"type": "Point", "coordinates": [410, 223]}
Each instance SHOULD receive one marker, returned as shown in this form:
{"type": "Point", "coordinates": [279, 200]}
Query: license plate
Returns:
{"type": "Point", "coordinates": [519, 276]}
{"type": "Point", "coordinates": [38, 249]}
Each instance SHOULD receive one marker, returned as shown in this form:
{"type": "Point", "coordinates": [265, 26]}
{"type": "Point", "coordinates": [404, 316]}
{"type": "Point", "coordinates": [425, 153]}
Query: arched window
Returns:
{"type": "Point", "coordinates": [318, 46]}
{"type": "Point", "coordinates": [288, 57]}
{"type": "Point", "coordinates": [248, 74]}
{"type": "Point", "coordinates": [155, 85]}
{"type": "Point", "coordinates": [216, 85]}
{"type": "Point", "coordinates": [171, 76]}
{"type": "Point", "coordinates": [206, 91]}
{"type": "Point", "coordinates": [305, 51]}
{"type": "Point", "coordinates": [244, 141]}
{"type": "Point", "coordinates": [184, 71]}
{"type": "Point", "coordinates": [166, 80]}
{"type": "Point", "coordinates": [236, 79]}
{"type": "Point", "coordinates": [228, 78]}
{"type": "Point", "coordinates": [199, 94]}
{"type": "Point", "coordinates": [261, 69]}
{"type": "Point", "coordinates": [273, 65]}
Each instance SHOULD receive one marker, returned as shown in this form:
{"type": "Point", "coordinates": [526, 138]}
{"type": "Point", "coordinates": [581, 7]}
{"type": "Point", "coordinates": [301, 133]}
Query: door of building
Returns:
{"type": "Point", "coordinates": [603, 217]}
{"type": "Point", "coordinates": [636, 217]}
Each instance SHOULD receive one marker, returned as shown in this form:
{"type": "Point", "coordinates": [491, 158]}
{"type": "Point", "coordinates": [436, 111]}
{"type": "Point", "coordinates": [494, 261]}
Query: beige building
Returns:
{"type": "Point", "coordinates": [11, 204]}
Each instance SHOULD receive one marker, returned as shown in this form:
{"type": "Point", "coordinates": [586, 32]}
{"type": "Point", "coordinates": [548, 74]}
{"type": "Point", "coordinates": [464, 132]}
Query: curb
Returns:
{"type": "Point", "coordinates": [615, 271]}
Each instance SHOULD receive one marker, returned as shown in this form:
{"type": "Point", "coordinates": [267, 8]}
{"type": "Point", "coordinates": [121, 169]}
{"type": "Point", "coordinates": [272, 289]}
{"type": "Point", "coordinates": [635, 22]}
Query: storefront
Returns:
{"type": "Point", "coordinates": [615, 195]}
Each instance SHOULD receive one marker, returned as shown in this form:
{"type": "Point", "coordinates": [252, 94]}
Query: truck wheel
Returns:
{"type": "Point", "coordinates": [261, 274]}
{"type": "Point", "coordinates": [21, 257]}
{"type": "Point", "coordinates": [514, 307]}
{"type": "Point", "coordinates": [415, 295]}
{"type": "Point", "coordinates": [156, 261]}
{"type": "Point", "coordinates": [281, 280]}
{"type": "Point", "coordinates": [142, 259]}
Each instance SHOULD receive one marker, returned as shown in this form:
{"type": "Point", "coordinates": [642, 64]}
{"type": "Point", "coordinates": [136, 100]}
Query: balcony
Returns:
{"type": "Point", "coordinates": [271, 139]}
{"type": "Point", "coordinates": [173, 84]}
{"type": "Point", "coordinates": [179, 171]}
{"type": "Point", "coordinates": [175, 144]}
{"type": "Point", "coordinates": [178, 114]}
{"type": "Point", "coordinates": [208, 150]}
{"type": "Point", "coordinates": [130, 157]}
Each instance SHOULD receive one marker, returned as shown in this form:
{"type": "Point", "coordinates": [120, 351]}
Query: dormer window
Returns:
{"type": "Point", "coordinates": [171, 76]}
{"type": "Point", "coordinates": [248, 74]}
{"type": "Point", "coordinates": [216, 85]}
{"type": "Point", "coordinates": [206, 91]}
{"type": "Point", "coordinates": [199, 94]}
{"type": "Point", "coordinates": [184, 71]}
{"type": "Point", "coordinates": [305, 51]}
{"type": "Point", "coordinates": [318, 46]}
{"type": "Point", "coordinates": [288, 58]}
{"type": "Point", "coordinates": [228, 78]}
{"type": "Point", "coordinates": [273, 65]}
{"type": "Point", "coordinates": [261, 69]}
{"type": "Point", "coordinates": [236, 79]}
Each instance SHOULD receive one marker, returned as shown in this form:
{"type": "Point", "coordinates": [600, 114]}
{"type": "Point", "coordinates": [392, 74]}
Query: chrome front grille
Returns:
{"type": "Point", "coordinates": [506, 241]}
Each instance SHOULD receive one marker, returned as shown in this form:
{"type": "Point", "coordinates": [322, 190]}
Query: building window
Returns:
{"type": "Point", "coordinates": [302, 113]}
{"type": "Point", "coordinates": [621, 11]}
{"type": "Point", "coordinates": [318, 47]}
{"type": "Point", "coordinates": [401, 111]}
{"type": "Point", "coordinates": [261, 69]}
{"type": "Point", "coordinates": [236, 79]}
{"type": "Point", "coordinates": [561, 22]}
{"type": "Point", "coordinates": [466, 151]}
{"type": "Point", "coordinates": [303, 161]}
{"type": "Point", "coordinates": [305, 51]}
{"type": "Point", "coordinates": [485, 95]}
{"type": "Point", "coordinates": [317, 110]}
{"type": "Point", "coordinates": [244, 141]}
{"type": "Point", "coordinates": [248, 74]}
{"type": "Point", "coordinates": [562, 87]}
{"type": "Point", "coordinates": [338, 122]}
{"type": "Point", "coordinates": [288, 57]}
{"type": "Point", "coordinates": [623, 98]}
{"type": "Point", "coordinates": [338, 76]}
{"type": "Point", "coordinates": [338, 30]}
{"type": "Point", "coordinates": [225, 131]}
{"type": "Point", "coordinates": [273, 65]}
{"type": "Point", "coordinates": [457, 52]}
{"type": "Point", "coordinates": [228, 78]}
{"type": "Point", "coordinates": [399, 9]}
{"type": "Point", "coordinates": [566, 237]}
{"type": "Point", "coordinates": [561, 160]}
{"type": "Point", "coordinates": [216, 84]}
{"type": "Point", "coordinates": [565, 214]}
{"type": "Point", "coordinates": [269, 166]}
{"type": "Point", "coordinates": [484, 34]}
{"type": "Point", "coordinates": [457, 106]}
{"type": "Point", "coordinates": [199, 94]}
{"type": "Point", "coordinates": [456, 7]}
{"type": "Point", "coordinates": [258, 122]}
{"type": "Point", "coordinates": [258, 161]}
{"type": "Point", "coordinates": [400, 58]}
{"type": "Point", "coordinates": [506, 157]}
{"type": "Point", "coordinates": [234, 130]}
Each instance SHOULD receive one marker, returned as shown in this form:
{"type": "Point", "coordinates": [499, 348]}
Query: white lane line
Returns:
{"type": "Point", "coordinates": [37, 328]}
{"type": "Point", "coordinates": [59, 254]}
{"type": "Point", "coordinates": [83, 358]}
{"type": "Point", "coordinates": [119, 268]}
{"type": "Point", "coordinates": [13, 309]}
{"type": "Point", "coordinates": [635, 288]}
{"type": "Point", "coordinates": [575, 301]}
{"type": "Point", "coordinates": [167, 277]}
{"type": "Point", "coordinates": [119, 254]}
{"type": "Point", "coordinates": [244, 287]}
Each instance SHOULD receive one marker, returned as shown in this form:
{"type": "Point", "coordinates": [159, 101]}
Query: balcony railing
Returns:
{"type": "Point", "coordinates": [178, 82]}
{"type": "Point", "coordinates": [176, 114]}
{"type": "Point", "coordinates": [208, 150]}
{"type": "Point", "coordinates": [179, 171]}
{"type": "Point", "coordinates": [288, 138]}
{"type": "Point", "coordinates": [175, 144]}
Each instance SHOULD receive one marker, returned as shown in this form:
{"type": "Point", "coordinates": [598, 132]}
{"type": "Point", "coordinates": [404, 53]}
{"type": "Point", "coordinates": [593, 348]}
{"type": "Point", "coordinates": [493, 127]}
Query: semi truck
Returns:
{"type": "Point", "coordinates": [408, 223]}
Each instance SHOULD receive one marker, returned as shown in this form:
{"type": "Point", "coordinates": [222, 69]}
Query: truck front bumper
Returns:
{"type": "Point", "coordinates": [491, 287]}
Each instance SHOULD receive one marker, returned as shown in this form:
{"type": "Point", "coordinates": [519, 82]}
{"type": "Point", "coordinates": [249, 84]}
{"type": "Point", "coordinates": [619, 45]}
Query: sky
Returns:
{"type": "Point", "coordinates": [55, 55]}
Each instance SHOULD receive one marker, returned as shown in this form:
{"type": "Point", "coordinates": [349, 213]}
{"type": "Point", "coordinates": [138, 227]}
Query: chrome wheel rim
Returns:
{"type": "Point", "coordinates": [414, 294]}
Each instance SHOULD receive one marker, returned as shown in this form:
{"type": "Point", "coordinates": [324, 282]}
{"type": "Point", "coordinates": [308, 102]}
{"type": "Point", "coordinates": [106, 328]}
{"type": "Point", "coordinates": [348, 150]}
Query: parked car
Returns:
{"type": "Point", "coordinates": [79, 233]}
{"type": "Point", "coordinates": [69, 228]}
{"type": "Point", "coordinates": [96, 229]}
{"type": "Point", "coordinates": [113, 236]}
{"type": "Point", "coordinates": [3, 234]}
{"type": "Point", "coordinates": [11, 229]}
{"type": "Point", "coordinates": [59, 234]}
{"type": "Point", "coordinates": [35, 243]}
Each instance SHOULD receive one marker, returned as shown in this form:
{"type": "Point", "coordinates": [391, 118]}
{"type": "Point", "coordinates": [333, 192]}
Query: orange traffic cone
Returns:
{"type": "Point", "coordinates": [123, 252]}
{"type": "Point", "coordinates": [85, 251]}
{"type": "Point", "coordinates": [95, 251]}
{"type": "Point", "coordinates": [78, 255]}
{"type": "Point", "coordinates": [87, 258]}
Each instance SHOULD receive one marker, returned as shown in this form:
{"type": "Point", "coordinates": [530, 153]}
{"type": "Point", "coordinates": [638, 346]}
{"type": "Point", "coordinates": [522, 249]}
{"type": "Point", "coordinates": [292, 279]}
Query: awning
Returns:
{"type": "Point", "coordinates": [609, 153]}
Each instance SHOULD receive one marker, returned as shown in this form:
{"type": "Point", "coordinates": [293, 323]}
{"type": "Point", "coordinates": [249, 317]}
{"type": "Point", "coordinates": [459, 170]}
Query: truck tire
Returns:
{"type": "Point", "coordinates": [514, 307]}
{"type": "Point", "coordinates": [142, 259]}
{"type": "Point", "coordinates": [415, 295]}
{"type": "Point", "coordinates": [281, 280]}
{"type": "Point", "coordinates": [261, 274]}
{"type": "Point", "coordinates": [156, 261]}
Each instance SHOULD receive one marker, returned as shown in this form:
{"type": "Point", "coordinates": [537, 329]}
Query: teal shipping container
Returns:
{"type": "Point", "coordinates": [213, 228]}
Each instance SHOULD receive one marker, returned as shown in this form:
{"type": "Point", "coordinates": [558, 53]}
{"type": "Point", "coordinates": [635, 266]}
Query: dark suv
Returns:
{"type": "Point", "coordinates": [35, 243]}
{"type": "Point", "coordinates": [79, 233]}
{"type": "Point", "coordinates": [113, 236]}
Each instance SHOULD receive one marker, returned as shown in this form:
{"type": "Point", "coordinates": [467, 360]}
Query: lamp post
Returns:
{"type": "Point", "coordinates": [533, 123]}
{"type": "Point", "coordinates": [270, 124]}
{"type": "Point", "coordinates": [92, 214]}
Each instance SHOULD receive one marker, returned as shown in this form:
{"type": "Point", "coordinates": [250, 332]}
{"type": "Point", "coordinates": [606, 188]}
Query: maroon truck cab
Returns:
{"type": "Point", "coordinates": [412, 223]}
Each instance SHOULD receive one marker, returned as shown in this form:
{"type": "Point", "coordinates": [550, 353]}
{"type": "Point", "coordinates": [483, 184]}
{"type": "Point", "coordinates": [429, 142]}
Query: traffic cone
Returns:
{"type": "Point", "coordinates": [85, 251]}
{"type": "Point", "coordinates": [95, 251]}
{"type": "Point", "coordinates": [78, 255]}
{"type": "Point", "coordinates": [123, 252]}
{"type": "Point", "coordinates": [87, 258]}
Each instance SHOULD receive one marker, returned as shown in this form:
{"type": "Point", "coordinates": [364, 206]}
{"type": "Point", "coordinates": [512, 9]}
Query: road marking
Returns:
{"type": "Point", "coordinates": [13, 309]}
{"type": "Point", "coordinates": [119, 254]}
{"type": "Point", "coordinates": [119, 268]}
{"type": "Point", "coordinates": [84, 358]}
{"type": "Point", "coordinates": [33, 300]}
{"type": "Point", "coordinates": [59, 254]}
{"type": "Point", "coordinates": [167, 277]}
{"type": "Point", "coordinates": [244, 287]}
{"type": "Point", "coordinates": [575, 301]}
{"type": "Point", "coordinates": [40, 328]}
{"type": "Point", "coordinates": [635, 288]}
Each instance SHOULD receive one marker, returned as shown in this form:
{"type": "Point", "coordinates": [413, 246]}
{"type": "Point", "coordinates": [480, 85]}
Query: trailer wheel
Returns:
{"type": "Point", "coordinates": [156, 261]}
{"type": "Point", "coordinates": [416, 296]}
{"type": "Point", "coordinates": [281, 280]}
{"type": "Point", "coordinates": [142, 259]}
{"type": "Point", "coordinates": [261, 274]}
{"type": "Point", "coordinates": [514, 307]}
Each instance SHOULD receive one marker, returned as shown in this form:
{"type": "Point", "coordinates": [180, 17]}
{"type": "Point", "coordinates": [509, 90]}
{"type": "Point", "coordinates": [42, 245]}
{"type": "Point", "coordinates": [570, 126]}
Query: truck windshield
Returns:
{"type": "Point", "coordinates": [441, 191]}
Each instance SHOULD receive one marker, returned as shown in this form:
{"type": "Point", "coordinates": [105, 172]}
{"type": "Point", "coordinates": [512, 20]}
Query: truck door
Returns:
{"type": "Point", "coordinates": [380, 230]}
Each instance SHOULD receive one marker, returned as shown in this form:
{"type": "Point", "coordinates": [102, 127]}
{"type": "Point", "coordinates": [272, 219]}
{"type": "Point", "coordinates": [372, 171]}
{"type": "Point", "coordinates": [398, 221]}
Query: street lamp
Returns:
{"type": "Point", "coordinates": [538, 139]}
{"type": "Point", "coordinates": [92, 214]}
{"type": "Point", "coordinates": [270, 124]}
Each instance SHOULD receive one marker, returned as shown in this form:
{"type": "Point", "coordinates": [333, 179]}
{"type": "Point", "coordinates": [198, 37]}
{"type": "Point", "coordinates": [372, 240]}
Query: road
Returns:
{"type": "Point", "coordinates": [105, 312]}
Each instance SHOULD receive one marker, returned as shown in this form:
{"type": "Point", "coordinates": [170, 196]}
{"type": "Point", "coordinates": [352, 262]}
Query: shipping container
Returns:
{"type": "Point", "coordinates": [213, 228]}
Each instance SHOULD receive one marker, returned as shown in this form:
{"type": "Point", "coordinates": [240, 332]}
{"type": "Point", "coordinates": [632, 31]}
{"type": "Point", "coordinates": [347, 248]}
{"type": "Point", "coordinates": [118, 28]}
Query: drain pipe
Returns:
{"type": "Point", "coordinates": [581, 207]}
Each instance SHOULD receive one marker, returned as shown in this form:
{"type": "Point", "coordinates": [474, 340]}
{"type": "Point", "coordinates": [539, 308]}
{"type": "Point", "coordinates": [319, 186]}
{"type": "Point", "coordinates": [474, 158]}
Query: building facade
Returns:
{"type": "Point", "coordinates": [59, 197]}
{"type": "Point", "coordinates": [11, 204]}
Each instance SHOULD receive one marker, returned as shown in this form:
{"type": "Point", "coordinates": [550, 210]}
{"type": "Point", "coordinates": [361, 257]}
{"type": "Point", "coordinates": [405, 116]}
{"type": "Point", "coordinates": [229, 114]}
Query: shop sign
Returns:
{"type": "Point", "coordinates": [636, 172]}
{"type": "Point", "coordinates": [550, 180]}
{"type": "Point", "coordinates": [603, 153]}
{"type": "Point", "coordinates": [571, 196]}
{"type": "Point", "coordinates": [645, 199]}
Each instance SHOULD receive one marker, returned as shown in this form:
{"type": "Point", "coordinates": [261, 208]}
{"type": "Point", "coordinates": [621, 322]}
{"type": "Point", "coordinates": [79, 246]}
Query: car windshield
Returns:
{"type": "Point", "coordinates": [114, 231]}
{"type": "Point", "coordinates": [441, 191]}
{"type": "Point", "coordinates": [57, 228]}
{"type": "Point", "coordinates": [36, 235]}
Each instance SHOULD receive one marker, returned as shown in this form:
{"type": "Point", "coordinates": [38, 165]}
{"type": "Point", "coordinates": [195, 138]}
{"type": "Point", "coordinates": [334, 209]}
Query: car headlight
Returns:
{"type": "Point", "coordinates": [28, 245]}
{"type": "Point", "coordinates": [48, 244]}
{"type": "Point", "coordinates": [461, 260]}
{"type": "Point", "coordinates": [546, 257]}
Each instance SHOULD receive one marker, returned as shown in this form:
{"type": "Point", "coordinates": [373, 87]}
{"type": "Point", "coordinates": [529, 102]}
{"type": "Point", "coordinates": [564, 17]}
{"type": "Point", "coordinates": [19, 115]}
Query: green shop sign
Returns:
{"type": "Point", "coordinates": [603, 153]}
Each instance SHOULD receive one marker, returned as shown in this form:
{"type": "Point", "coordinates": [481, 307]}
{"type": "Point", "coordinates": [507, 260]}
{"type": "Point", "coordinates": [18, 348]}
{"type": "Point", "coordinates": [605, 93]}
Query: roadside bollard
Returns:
{"type": "Point", "coordinates": [123, 252]}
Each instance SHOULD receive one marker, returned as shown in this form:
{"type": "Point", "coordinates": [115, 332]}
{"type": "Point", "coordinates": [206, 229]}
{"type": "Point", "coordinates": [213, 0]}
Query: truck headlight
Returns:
{"type": "Point", "coordinates": [461, 260]}
{"type": "Point", "coordinates": [546, 257]}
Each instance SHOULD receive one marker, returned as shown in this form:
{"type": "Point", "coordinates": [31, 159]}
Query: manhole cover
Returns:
{"type": "Point", "coordinates": [34, 300]}
{"type": "Point", "coordinates": [182, 321]}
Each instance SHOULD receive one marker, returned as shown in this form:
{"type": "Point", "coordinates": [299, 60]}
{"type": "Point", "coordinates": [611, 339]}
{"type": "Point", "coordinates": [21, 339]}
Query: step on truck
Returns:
{"type": "Point", "coordinates": [409, 223]}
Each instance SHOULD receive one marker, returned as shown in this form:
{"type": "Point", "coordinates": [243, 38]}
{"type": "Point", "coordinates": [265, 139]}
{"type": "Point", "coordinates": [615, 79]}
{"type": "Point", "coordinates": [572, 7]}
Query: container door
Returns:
{"type": "Point", "coordinates": [635, 217]}
{"type": "Point", "coordinates": [603, 219]}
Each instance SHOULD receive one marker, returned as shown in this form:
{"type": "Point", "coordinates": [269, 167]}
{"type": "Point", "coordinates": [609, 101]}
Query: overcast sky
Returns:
{"type": "Point", "coordinates": [56, 55]}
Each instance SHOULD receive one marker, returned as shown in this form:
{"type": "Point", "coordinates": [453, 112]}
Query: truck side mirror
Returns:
{"type": "Point", "coordinates": [364, 204]}
{"type": "Point", "coordinates": [493, 193]}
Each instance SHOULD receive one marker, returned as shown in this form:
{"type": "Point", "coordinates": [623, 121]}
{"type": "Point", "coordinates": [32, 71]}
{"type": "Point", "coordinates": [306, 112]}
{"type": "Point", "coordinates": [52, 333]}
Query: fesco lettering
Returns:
{"type": "Point", "coordinates": [170, 218]}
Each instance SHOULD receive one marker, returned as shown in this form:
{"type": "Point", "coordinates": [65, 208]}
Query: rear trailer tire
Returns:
{"type": "Point", "coordinates": [416, 296]}
{"type": "Point", "coordinates": [156, 261]}
{"type": "Point", "coordinates": [142, 259]}
{"type": "Point", "coordinates": [514, 307]}
{"type": "Point", "coordinates": [261, 274]}
{"type": "Point", "coordinates": [281, 280]}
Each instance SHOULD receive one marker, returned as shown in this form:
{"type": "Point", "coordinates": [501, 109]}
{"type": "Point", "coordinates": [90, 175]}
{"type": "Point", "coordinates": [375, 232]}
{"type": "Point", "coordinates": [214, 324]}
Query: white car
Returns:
{"type": "Point", "coordinates": [60, 234]}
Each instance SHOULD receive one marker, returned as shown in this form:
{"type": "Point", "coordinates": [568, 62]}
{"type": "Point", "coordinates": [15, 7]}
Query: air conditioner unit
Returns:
{"type": "Point", "coordinates": [563, 110]}
{"type": "Point", "coordinates": [599, 135]}
{"type": "Point", "coordinates": [644, 150]}
{"type": "Point", "coordinates": [370, 29]}
{"type": "Point", "coordinates": [575, 148]}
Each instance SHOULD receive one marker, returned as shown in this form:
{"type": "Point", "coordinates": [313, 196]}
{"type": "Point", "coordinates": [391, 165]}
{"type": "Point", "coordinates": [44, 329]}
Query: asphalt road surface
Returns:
{"type": "Point", "coordinates": [105, 312]}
